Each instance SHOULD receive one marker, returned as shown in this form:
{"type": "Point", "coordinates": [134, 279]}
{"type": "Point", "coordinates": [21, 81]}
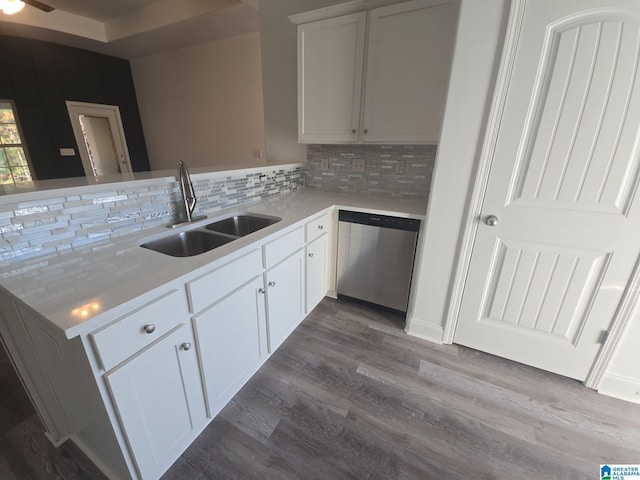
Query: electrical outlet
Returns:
{"type": "Point", "coordinates": [324, 164]}
{"type": "Point", "coordinates": [67, 152]}
{"type": "Point", "coordinates": [400, 166]}
{"type": "Point", "coordinates": [257, 153]}
{"type": "Point", "coordinates": [358, 165]}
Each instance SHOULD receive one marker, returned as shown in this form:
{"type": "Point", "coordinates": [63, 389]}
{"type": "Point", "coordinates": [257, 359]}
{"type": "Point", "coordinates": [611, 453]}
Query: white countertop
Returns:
{"type": "Point", "coordinates": [79, 290]}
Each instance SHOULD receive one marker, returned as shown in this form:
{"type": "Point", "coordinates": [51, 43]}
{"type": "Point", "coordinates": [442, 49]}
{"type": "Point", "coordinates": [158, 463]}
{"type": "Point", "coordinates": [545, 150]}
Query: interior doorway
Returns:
{"type": "Point", "coordinates": [554, 262]}
{"type": "Point", "coordinates": [100, 137]}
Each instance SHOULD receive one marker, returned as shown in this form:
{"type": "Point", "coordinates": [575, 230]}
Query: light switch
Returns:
{"type": "Point", "coordinates": [67, 152]}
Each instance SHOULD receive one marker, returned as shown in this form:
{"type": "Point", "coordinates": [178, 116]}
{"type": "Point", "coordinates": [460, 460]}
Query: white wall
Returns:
{"type": "Point", "coordinates": [202, 104]}
{"type": "Point", "coordinates": [279, 67]}
{"type": "Point", "coordinates": [475, 61]}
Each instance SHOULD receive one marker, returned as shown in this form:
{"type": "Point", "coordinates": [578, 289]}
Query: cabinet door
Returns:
{"type": "Point", "coordinates": [285, 294]}
{"type": "Point", "coordinates": [408, 62]}
{"type": "Point", "coordinates": [330, 64]}
{"type": "Point", "coordinates": [232, 342]}
{"type": "Point", "coordinates": [316, 278]}
{"type": "Point", "coordinates": [159, 400]}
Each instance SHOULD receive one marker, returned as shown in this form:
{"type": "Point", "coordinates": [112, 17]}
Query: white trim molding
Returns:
{"type": "Point", "coordinates": [620, 386]}
{"type": "Point", "coordinates": [346, 8]}
{"type": "Point", "coordinates": [420, 328]}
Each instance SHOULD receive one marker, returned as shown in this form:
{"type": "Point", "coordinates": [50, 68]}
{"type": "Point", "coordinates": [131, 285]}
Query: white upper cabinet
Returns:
{"type": "Point", "coordinates": [391, 89]}
{"type": "Point", "coordinates": [408, 61]}
{"type": "Point", "coordinates": [330, 61]}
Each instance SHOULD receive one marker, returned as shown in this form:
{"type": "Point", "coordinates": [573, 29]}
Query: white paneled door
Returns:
{"type": "Point", "coordinates": [558, 235]}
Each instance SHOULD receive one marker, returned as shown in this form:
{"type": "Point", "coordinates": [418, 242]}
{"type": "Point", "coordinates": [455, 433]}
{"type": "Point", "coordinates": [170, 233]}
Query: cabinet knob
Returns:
{"type": "Point", "coordinates": [186, 346]}
{"type": "Point", "coordinates": [261, 290]}
{"type": "Point", "coordinates": [311, 255]}
{"type": "Point", "coordinates": [272, 284]}
{"type": "Point", "coordinates": [149, 328]}
{"type": "Point", "coordinates": [365, 131]}
{"type": "Point", "coordinates": [353, 130]}
{"type": "Point", "coordinates": [320, 227]}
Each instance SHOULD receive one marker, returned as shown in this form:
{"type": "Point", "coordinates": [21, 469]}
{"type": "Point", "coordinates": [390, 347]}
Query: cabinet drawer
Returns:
{"type": "Point", "coordinates": [136, 330]}
{"type": "Point", "coordinates": [283, 247]}
{"type": "Point", "coordinates": [211, 287]}
{"type": "Point", "coordinates": [317, 226]}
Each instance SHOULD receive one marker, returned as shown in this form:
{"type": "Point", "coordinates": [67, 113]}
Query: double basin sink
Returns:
{"type": "Point", "coordinates": [213, 235]}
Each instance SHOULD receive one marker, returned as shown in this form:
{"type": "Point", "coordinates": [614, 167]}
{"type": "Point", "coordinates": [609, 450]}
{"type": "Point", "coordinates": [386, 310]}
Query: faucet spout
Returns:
{"type": "Point", "coordinates": [187, 196]}
{"type": "Point", "coordinates": [186, 191]}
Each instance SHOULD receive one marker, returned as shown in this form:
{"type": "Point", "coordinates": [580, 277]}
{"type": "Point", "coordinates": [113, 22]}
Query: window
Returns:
{"type": "Point", "coordinates": [14, 164]}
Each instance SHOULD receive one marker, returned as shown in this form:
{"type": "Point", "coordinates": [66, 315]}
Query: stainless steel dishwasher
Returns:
{"type": "Point", "coordinates": [375, 258]}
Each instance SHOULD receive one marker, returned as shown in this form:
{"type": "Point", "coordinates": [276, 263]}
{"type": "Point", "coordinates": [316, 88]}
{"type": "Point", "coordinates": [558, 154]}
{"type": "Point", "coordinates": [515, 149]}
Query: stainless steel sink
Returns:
{"type": "Point", "coordinates": [187, 244]}
{"type": "Point", "coordinates": [241, 225]}
{"type": "Point", "coordinates": [195, 242]}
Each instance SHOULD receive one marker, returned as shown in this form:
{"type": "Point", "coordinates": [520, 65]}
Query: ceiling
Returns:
{"type": "Point", "coordinates": [134, 28]}
{"type": "Point", "coordinates": [100, 10]}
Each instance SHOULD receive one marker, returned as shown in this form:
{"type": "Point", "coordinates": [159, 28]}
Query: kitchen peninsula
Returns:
{"type": "Point", "coordinates": [109, 337]}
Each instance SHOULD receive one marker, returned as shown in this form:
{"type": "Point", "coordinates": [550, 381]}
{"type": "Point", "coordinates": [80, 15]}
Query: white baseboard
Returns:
{"type": "Point", "coordinates": [97, 461]}
{"type": "Point", "coordinates": [417, 327]}
{"type": "Point", "coordinates": [620, 386]}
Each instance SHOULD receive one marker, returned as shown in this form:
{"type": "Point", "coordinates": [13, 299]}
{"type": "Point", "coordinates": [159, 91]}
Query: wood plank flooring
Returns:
{"type": "Point", "coordinates": [350, 396]}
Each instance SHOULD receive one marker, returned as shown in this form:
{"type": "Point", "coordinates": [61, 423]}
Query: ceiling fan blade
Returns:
{"type": "Point", "coordinates": [42, 6]}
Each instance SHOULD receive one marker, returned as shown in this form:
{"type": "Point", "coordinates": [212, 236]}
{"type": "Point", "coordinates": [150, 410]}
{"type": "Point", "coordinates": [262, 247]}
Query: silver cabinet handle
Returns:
{"type": "Point", "coordinates": [491, 220]}
{"type": "Point", "coordinates": [311, 255]}
{"type": "Point", "coordinates": [149, 328]}
{"type": "Point", "coordinates": [272, 284]}
{"type": "Point", "coordinates": [186, 346]}
{"type": "Point", "coordinates": [320, 227]}
{"type": "Point", "coordinates": [261, 290]}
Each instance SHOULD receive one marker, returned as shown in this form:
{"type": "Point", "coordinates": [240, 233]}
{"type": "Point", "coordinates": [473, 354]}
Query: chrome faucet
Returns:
{"type": "Point", "coordinates": [187, 194]}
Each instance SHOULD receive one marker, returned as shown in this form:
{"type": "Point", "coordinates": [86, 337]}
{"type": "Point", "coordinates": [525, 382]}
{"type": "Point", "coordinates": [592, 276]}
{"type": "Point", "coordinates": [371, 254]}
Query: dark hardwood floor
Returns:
{"type": "Point", "coordinates": [350, 396]}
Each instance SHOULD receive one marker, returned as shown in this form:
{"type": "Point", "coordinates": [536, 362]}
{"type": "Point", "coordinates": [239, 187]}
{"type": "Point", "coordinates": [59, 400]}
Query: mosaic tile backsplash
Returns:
{"type": "Point", "coordinates": [40, 227]}
{"type": "Point", "coordinates": [399, 170]}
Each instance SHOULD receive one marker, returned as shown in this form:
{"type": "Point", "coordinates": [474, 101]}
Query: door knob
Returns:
{"type": "Point", "coordinates": [491, 220]}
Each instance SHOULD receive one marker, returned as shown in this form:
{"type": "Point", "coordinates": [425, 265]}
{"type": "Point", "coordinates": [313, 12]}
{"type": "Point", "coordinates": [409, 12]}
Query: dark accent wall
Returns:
{"type": "Point", "coordinates": [41, 76]}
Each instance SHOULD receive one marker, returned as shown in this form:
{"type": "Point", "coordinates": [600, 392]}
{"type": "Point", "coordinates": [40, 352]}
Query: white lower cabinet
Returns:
{"type": "Point", "coordinates": [285, 298]}
{"type": "Point", "coordinates": [233, 342]}
{"type": "Point", "coordinates": [135, 392]}
{"type": "Point", "coordinates": [159, 400]}
{"type": "Point", "coordinates": [316, 272]}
